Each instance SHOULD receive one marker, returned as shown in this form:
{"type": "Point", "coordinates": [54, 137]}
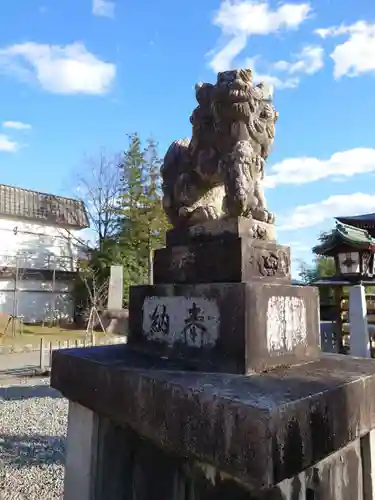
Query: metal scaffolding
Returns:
{"type": "Point", "coordinates": [20, 269]}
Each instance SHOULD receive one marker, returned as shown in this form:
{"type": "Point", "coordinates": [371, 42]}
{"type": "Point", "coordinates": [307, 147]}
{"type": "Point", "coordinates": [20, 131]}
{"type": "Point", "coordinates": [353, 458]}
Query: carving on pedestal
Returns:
{"type": "Point", "coordinates": [182, 260]}
{"type": "Point", "coordinates": [220, 171]}
{"type": "Point", "coordinates": [274, 263]}
{"type": "Point", "coordinates": [258, 232]}
{"type": "Point", "coordinates": [172, 320]}
{"type": "Point", "coordinates": [269, 263]}
{"type": "Point", "coordinates": [286, 324]}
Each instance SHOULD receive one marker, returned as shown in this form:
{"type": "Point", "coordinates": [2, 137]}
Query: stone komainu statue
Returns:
{"type": "Point", "coordinates": [219, 172]}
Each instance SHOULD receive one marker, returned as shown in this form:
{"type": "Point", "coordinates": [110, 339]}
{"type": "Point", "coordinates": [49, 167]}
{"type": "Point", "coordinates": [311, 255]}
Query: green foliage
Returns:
{"type": "Point", "coordinates": [142, 221]}
{"type": "Point", "coordinates": [323, 267]}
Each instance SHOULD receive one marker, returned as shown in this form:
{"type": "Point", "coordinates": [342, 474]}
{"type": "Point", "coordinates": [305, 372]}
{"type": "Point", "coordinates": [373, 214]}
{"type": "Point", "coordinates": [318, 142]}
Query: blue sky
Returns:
{"type": "Point", "coordinates": [76, 76]}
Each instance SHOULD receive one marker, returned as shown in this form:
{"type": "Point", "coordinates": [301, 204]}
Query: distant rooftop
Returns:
{"type": "Point", "coordinates": [24, 204]}
{"type": "Point", "coordinates": [369, 218]}
{"type": "Point", "coordinates": [345, 235]}
{"type": "Point", "coordinates": [365, 221]}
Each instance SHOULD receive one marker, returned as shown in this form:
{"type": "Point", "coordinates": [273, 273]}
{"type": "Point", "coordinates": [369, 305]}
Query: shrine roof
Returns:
{"type": "Point", "coordinates": [358, 219]}
{"type": "Point", "coordinates": [344, 234]}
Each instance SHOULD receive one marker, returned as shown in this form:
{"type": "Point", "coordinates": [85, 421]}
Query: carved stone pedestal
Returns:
{"type": "Point", "coordinates": [224, 327]}
{"type": "Point", "coordinates": [230, 260]}
{"type": "Point", "coordinates": [232, 250]}
{"type": "Point", "coordinates": [223, 301]}
{"type": "Point", "coordinates": [231, 227]}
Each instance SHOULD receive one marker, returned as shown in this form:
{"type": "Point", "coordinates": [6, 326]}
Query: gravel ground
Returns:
{"type": "Point", "coordinates": [33, 422]}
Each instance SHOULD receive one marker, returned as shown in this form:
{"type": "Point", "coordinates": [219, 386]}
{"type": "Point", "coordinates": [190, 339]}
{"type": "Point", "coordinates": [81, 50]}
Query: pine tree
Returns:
{"type": "Point", "coordinates": [154, 220]}
{"type": "Point", "coordinates": [142, 222]}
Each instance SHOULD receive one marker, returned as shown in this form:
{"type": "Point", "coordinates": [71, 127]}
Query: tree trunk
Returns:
{"type": "Point", "coordinates": [150, 260]}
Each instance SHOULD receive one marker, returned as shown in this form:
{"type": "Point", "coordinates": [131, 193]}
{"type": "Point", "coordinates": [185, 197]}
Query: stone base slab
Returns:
{"type": "Point", "coordinates": [222, 228]}
{"type": "Point", "coordinates": [223, 261]}
{"type": "Point", "coordinates": [260, 429]}
{"type": "Point", "coordinates": [226, 327]}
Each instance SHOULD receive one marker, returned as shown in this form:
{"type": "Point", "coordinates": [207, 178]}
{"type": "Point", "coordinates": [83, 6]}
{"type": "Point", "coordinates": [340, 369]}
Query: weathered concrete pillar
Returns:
{"type": "Point", "coordinates": [368, 460]}
{"type": "Point", "coordinates": [359, 336]}
{"type": "Point", "coordinates": [81, 452]}
{"type": "Point", "coordinates": [112, 478]}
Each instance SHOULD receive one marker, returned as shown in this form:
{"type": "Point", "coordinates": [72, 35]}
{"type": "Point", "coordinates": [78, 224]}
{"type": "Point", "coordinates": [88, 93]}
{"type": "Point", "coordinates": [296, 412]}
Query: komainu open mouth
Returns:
{"type": "Point", "coordinates": [238, 95]}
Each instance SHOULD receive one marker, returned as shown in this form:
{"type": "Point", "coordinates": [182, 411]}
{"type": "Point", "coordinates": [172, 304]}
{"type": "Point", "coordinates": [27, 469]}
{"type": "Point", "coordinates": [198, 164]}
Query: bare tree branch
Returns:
{"type": "Point", "coordinates": [97, 185]}
{"type": "Point", "coordinates": [99, 188]}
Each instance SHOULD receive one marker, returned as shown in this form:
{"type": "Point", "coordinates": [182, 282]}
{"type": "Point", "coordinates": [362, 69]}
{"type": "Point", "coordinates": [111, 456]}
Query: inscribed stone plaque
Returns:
{"type": "Point", "coordinates": [286, 324]}
{"type": "Point", "coordinates": [192, 321]}
{"type": "Point", "coordinates": [116, 288]}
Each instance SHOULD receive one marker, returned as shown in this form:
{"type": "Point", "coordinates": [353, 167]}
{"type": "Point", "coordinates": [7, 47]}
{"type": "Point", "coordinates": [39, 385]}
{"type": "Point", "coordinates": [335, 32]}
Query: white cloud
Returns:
{"type": "Point", "coordinates": [240, 19]}
{"type": "Point", "coordinates": [275, 81]}
{"type": "Point", "coordinates": [316, 213]}
{"type": "Point", "coordinates": [222, 60]}
{"type": "Point", "coordinates": [332, 31]}
{"type": "Point", "coordinates": [69, 69]}
{"type": "Point", "coordinates": [356, 55]}
{"type": "Point", "coordinates": [308, 169]}
{"type": "Point", "coordinates": [7, 145]}
{"type": "Point", "coordinates": [298, 246]}
{"type": "Point", "coordinates": [17, 125]}
{"type": "Point", "coordinates": [272, 80]}
{"type": "Point", "coordinates": [308, 61]}
{"type": "Point", "coordinates": [103, 8]}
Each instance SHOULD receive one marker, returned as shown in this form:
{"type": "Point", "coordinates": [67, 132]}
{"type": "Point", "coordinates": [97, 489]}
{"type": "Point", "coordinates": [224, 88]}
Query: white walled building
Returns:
{"type": "Point", "coordinates": [38, 253]}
